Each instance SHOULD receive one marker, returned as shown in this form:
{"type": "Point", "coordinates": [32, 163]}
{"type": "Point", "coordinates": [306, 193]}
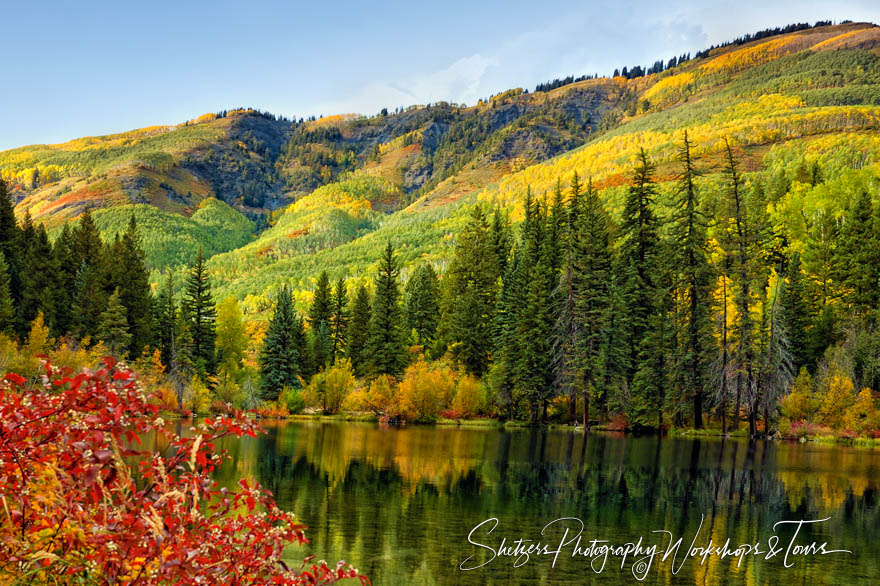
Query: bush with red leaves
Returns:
{"type": "Point", "coordinates": [73, 510]}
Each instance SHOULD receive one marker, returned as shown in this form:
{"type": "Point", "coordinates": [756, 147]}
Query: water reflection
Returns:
{"type": "Point", "coordinates": [399, 503]}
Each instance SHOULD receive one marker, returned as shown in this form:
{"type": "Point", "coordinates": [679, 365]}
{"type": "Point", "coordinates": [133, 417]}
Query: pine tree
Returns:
{"type": "Point", "coordinates": [532, 366]}
{"type": "Point", "coordinates": [320, 313]}
{"type": "Point", "coordinates": [640, 253]}
{"type": "Point", "coordinates": [134, 289]}
{"type": "Point", "coordinates": [339, 321]}
{"type": "Point", "coordinates": [386, 346]}
{"type": "Point", "coordinates": [10, 241]}
{"type": "Point", "coordinates": [167, 321]}
{"type": "Point", "coordinates": [7, 310]}
{"type": "Point", "coordinates": [567, 321]}
{"type": "Point", "coordinates": [422, 304]}
{"type": "Point", "coordinates": [796, 314]}
{"type": "Point", "coordinates": [505, 341]}
{"type": "Point", "coordinates": [591, 266]}
{"type": "Point", "coordinates": [282, 350]}
{"type": "Point", "coordinates": [471, 294]}
{"type": "Point", "coordinates": [200, 316]}
{"type": "Point", "coordinates": [858, 256]}
{"type": "Point", "coordinates": [742, 241]}
{"type": "Point", "coordinates": [87, 254]}
{"type": "Point", "coordinates": [501, 238]}
{"type": "Point", "coordinates": [39, 284]}
{"type": "Point", "coordinates": [359, 331]}
{"type": "Point", "coordinates": [113, 326]}
{"type": "Point", "coordinates": [63, 250]}
{"type": "Point", "coordinates": [693, 285]}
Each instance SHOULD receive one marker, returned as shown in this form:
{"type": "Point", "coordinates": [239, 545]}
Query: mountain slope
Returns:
{"type": "Point", "coordinates": [785, 103]}
{"type": "Point", "coordinates": [348, 184]}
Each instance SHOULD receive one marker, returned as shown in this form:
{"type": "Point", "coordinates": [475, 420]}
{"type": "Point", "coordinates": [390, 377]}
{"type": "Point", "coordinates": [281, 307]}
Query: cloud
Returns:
{"type": "Point", "coordinates": [460, 82]}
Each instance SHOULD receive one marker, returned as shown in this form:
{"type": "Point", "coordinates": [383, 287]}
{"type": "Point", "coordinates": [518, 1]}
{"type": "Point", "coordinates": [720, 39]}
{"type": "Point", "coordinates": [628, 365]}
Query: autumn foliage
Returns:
{"type": "Point", "coordinates": [80, 503]}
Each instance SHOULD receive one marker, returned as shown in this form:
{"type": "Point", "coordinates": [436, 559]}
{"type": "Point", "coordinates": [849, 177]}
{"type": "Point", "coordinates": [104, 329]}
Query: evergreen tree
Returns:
{"type": "Point", "coordinates": [640, 253]}
{"type": "Point", "coordinates": [693, 285]}
{"type": "Point", "coordinates": [532, 366]}
{"type": "Point", "coordinates": [282, 350]}
{"type": "Point", "coordinates": [742, 243]}
{"type": "Point", "coordinates": [200, 316]}
{"type": "Point", "coordinates": [39, 284]}
{"type": "Point", "coordinates": [359, 331]}
{"type": "Point", "coordinates": [167, 321]}
{"type": "Point", "coordinates": [320, 313]}
{"type": "Point", "coordinates": [7, 310]}
{"type": "Point", "coordinates": [63, 251]}
{"type": "Point", "coordinates": [134, 288]}
{"type": "Point", "coordinates": [422, 304]}
{"type": "Point", "coordinates": [10, 241]}
{"type": "Point", "coordinates": [505, 347]}
{"type": "Point", "coordinates": [387, 341]}
{"type": "Point", "coordinates": [858, 256]}
{"type": "Point", "coordinates": [113, 326]}
{"type": "Point", "coordinates": [591, 266]}
{"type": "Point", "coordinates": [339, 320]}
{"type": "Point", "coordinates": [87, 254]}
{"type": "Point", "coordinates": [796, 314]}
{"type": "Point", "coordinates": [471, 294]}
{"type": "Point", "coordinates": [501, 238]}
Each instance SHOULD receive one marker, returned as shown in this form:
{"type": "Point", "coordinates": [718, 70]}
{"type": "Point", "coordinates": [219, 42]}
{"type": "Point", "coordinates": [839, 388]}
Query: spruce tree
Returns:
{"type": "Point", "coordinates": [743, 242]}
{"type": "Point", "coordinates": [113, 326]}
{"type": "Point", "coordinates": [339, 320]}
{"type": "Point", "coordinates": [359, 330]}
{"type": "Point", "coordinates": [422, 304]}
{"type": "Point", "coordinates": [320, 313]}
{"type": "Point", "coordinates": [7, 309]}
{"type": "Point", "coordinates": [386, 345]}
{"type": "Point", "coordinates": [282, 349]}
{"type": "Point", "coordinates": [796, 314]}
{"type": "Point", "coordinates": [10, 241]}
{"type": "Point", "coordinates": [134, 289]}
{"type": "Point", "coordinates": [63, 249]}
{"type": "Point", "coordinates": [533, 370]}
{"type": "Point", "coordinates": [591, 267]}
{"type": "Point", "coordinates": [39, 279]}
{"type": "Point", "coordinates": [640, 253]}
{"type": "Point", "coordinates": [858, 256]}
{"type": "Point", "coordinates": [200, 316]}
{"type": "Point", "coordinates": [167, 321]}
{"type": "Point", "coordinates": [693, 285]}
{"type": "Point", "coordinates": [471, 294]}
{"type": "Point", "coordinates": [88, 255]}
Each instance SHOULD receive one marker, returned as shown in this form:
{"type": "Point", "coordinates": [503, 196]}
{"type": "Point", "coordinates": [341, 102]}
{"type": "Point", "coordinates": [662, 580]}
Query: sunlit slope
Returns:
{"type": "Point", "coordinates": [756, 96]}
{"type": "Point", "coordinates": [785, 103]}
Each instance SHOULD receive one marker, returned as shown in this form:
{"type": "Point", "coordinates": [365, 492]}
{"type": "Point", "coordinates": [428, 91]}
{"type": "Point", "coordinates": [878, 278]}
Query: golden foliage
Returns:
{"type": "Point", "coordinates": [470, 397]}
{"type": "Point", "coordinates": [425, 390]}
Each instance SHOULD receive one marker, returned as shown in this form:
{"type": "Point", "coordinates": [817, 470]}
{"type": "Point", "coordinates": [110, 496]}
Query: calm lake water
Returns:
{"type": "Point", "coordinates": [399, 503]}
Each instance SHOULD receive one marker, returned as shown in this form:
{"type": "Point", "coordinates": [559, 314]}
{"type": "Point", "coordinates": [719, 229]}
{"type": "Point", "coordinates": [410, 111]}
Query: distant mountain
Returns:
{"type": "Point", "coordinates": [332, 191]}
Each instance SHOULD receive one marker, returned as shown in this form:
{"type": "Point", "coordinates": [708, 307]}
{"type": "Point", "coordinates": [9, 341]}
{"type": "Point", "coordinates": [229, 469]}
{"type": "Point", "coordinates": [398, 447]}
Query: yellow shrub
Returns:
{"type": "Point", "coordinates": [470, 397]}
{"type": "Point", "coordinates": [800, 405]}
{"type": "Point", "coordinates": [836, 400]}
{"type": "Point", "coordinates": [329, 388]}
{"type": "Point", "coordinates": [862, 416]}
{"type": "Point", "coordinates": [425, 390]}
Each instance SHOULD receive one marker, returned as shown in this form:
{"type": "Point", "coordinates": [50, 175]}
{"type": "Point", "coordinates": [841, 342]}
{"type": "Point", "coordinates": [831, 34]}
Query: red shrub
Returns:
{"type": "Point", "coordinates": [71, 508]}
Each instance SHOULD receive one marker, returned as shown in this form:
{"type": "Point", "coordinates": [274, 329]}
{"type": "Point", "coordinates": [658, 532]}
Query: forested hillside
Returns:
{"type": "Point", "coordinates": [690, 243]}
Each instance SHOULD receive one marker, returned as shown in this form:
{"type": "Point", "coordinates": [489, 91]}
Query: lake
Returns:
{"type": "Point", "coordinates": [399, 503]}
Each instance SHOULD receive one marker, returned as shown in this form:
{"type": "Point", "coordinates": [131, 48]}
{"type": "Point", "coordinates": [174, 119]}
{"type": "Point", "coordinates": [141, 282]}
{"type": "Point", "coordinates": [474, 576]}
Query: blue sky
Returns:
{"type": "Point", "coordinates": [74, 69]}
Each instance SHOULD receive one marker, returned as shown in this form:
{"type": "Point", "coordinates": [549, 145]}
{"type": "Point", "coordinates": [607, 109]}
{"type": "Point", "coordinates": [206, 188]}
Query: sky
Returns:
{"type": "Point", "coordinates": [87, 68]}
